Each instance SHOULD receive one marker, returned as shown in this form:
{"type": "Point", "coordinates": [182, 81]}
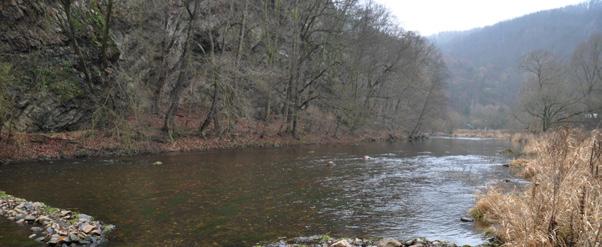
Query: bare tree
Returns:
{"type": "Point", "coordinates": [587, 66]}
{"type": "Point", "coordinates": [546, 95]}
{"type": "Point", "coordinates": [183, 80]}
{"type": "Point", "coordinates": [72, 33]}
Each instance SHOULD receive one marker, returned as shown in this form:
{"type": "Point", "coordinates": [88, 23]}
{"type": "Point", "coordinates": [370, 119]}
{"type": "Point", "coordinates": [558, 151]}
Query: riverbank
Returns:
{"type": "Point", "coordinates": [325, 240]}
{"type": "Point", "coordinates": [562, 205]}
{"type": "Point", "coordinates": [150, 139]}
{"type": "Point", "coordinates": [54, 226]}
{"type": "Point", "coordinates": [498, 134]}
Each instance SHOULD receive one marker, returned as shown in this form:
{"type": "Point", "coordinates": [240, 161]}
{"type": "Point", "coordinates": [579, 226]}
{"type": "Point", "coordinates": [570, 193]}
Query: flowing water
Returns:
{"type": "Point", "coordinates": [241, 197]}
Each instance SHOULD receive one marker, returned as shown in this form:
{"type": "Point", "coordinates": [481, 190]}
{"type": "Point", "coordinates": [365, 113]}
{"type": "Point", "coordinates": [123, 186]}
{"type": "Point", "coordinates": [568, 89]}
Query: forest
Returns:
{"type": "Point", "coordinates": [491, 85]}
{"type": "Point", "coordinates": [207, 68]}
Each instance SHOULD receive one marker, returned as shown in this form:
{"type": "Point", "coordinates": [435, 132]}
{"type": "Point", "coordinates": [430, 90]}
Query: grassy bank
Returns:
{"type": "Point", "coordinates": [562, 205]}
{"type": "Point", "coordinates": [139, 137]}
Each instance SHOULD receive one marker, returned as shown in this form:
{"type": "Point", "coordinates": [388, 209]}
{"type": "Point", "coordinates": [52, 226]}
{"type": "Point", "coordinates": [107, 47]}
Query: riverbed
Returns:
{"type": "Point", "coordinates": [241, 197]}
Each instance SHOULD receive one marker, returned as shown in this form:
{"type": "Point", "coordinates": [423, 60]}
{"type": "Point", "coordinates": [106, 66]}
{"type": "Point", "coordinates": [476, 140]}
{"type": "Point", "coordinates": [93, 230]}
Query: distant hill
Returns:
{"type": "Point", "coordinates": [484, 62]}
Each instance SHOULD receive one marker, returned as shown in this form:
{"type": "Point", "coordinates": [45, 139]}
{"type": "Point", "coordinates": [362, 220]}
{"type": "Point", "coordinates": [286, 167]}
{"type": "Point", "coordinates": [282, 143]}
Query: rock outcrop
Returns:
{"type": "Point", "coordinates": [48, 91]}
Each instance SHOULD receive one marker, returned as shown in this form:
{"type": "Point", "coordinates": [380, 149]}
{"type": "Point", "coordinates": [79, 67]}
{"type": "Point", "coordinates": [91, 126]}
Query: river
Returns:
{"type": "Point", "coordinates": [241, 197]}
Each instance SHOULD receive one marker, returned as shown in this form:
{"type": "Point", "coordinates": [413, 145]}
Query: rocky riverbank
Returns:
{"type": "Point", "coordinates": [53, 226]}
{"type": "Point", "coordinates": [327, 241]}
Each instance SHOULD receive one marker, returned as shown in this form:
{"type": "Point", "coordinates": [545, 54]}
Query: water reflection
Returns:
{"type": "Point", "coordinates": [236, 198]}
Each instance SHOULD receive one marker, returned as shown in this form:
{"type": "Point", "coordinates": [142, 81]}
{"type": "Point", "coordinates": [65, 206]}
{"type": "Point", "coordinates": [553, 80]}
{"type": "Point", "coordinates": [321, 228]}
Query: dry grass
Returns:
{"type": "Point", "coordinates": [563, 204]}
{"type": "Point", "coordinates": [521, 140]}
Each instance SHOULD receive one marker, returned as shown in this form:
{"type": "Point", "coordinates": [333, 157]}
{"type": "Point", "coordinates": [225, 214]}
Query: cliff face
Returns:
{"type": "Point", "coordinates": [48, 86]}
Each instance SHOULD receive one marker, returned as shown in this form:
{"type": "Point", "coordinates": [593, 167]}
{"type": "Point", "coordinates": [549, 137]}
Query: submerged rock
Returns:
{"type": "Point", "coordinates": [466, 219]}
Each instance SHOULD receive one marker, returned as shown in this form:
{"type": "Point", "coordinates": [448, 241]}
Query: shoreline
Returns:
{"type": "Point", "coordinates": [325, 240]}
{"type": "Point", "coordinates": [30, 147]}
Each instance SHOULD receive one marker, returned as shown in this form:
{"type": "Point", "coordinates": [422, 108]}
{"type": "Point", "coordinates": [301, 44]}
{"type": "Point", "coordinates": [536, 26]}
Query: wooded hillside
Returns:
{"type": "Point", "coordinates": [486, 78]}
{"type": "Point", "coordinates": [305, 66]}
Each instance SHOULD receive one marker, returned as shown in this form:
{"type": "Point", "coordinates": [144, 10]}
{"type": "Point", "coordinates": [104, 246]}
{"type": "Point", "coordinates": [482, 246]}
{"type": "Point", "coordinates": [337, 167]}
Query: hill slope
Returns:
{"type": "Point", "coordinates": [484, 63]}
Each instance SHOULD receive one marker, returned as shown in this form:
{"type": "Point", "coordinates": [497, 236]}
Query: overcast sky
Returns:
{"type": "Point", "coordinates": [433, 16]}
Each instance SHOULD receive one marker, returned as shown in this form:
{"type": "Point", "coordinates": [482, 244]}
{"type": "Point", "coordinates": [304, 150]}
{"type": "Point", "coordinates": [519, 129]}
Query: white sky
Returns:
{"type": "Point", "coordinates": [434, 16]}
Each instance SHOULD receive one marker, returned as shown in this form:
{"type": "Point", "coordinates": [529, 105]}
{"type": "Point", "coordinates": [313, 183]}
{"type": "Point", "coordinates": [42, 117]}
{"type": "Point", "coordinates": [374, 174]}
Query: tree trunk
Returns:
{"type": "Point", "coordinates": [167, 42]}
{"type": "Point", "coordinates": [80, 56]}
{"type": "Point", "coordinates": [105, 39]}
{"type": "Point", "coordinates": [211, 115]}
{"type": "Point", "coordinates": [416, 128]}
{"type": "Point", "coordinates": [182, 81]}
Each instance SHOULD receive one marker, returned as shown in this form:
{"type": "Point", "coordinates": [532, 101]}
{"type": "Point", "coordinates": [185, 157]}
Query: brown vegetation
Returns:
{"type": "Point", "coordinates": [562, 206]}
{"type": "Point", "coordinates": [144, 136]}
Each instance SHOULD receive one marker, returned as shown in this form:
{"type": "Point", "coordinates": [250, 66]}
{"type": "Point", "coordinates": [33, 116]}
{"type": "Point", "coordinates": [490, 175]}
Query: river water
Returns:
{"type": "Point", "coordinates": [241, 197]}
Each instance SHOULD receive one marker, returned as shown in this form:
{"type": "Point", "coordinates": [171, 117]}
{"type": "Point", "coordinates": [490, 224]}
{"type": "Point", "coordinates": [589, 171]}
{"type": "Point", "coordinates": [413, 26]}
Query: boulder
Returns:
{"type": "Point", "coordinates": [30, 217]}
{"type": "Point", "coordinates": [87, 228]}
{"type": "Point", "coordinates": [388, 242]}
{"type": "Point", "coordinates": [341, 243]}
{"type": "Point", "coordinates": [85, 218]}
{"type": "Point", "coordinates": [73, 237]}
{"type": "Point", "coordinates": [54, 239]}
{"type": "Point", "coordinates": [65, 213]}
